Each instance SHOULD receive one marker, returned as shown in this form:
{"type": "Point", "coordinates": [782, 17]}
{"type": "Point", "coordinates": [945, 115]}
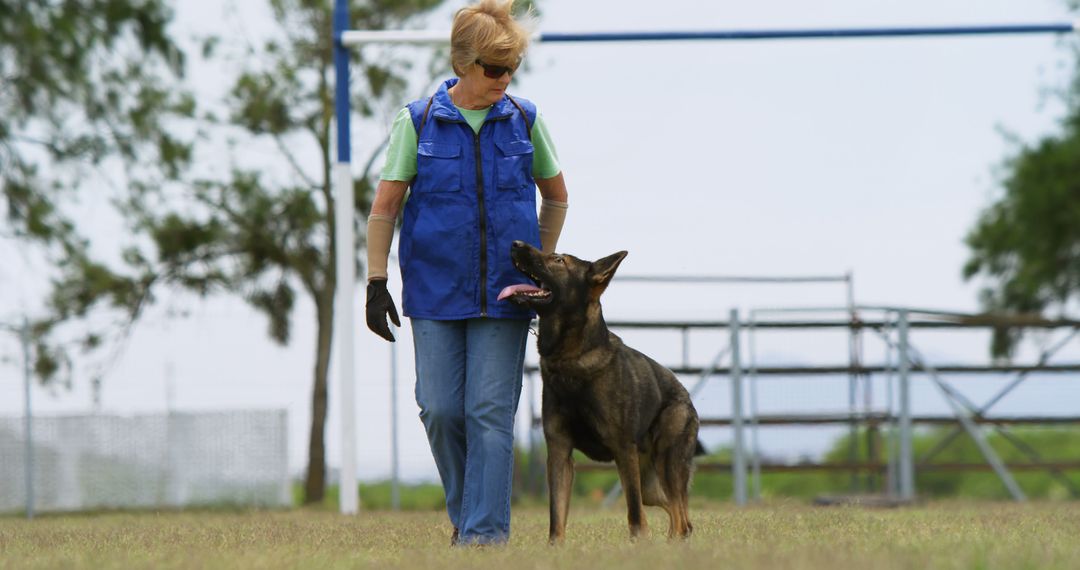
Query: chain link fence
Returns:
{"type": "Point", "coordinates": [236, 458]}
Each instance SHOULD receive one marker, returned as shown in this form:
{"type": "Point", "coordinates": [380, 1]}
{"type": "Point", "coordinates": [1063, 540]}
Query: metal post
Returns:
{"type": "Point", "coordinates": [1043, 359]}
{"type": "Point", "coordinates": [755, 443]}
{"type": "Point", "coordinates": [907, 461]}
{"type": "Point", "coordinates": [977, 436]}
{"type": "Point", "coordinates": [891, 483]}
{"type": "Point", "coordinates": [535, 471]}
{"type": "Point", "coordinates": [349, 501]}
{"type": "Point", "coordinates": [395, 490]}
{"type": "Point", "coordinates": [686, 347]}
{"type": "Point", "coordinates": [963, 409]}
{"type": "Point", "coordinates": [29, 438]}
{"type": "Point", "coordinates": [853, 379]}
{"type": "Point", "coordinates": [738, 462]}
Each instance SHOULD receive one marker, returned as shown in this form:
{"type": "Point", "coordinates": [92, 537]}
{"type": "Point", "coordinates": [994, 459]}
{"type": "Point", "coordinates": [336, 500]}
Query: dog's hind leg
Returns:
{"type": "Point", "coordinates": [674, 455]}
{"type": "Point", "coordinates": [626, 459]}
{"type": "Point", "coordinates": [652, 493]}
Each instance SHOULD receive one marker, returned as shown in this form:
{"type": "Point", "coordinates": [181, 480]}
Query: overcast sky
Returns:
{"type": "Point", "coordinates": [813, 157]}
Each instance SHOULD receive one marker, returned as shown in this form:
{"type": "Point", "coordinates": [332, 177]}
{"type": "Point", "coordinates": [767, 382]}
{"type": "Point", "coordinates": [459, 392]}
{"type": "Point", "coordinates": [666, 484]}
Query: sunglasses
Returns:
{"type": "Point", "coordinates": [495, 71]}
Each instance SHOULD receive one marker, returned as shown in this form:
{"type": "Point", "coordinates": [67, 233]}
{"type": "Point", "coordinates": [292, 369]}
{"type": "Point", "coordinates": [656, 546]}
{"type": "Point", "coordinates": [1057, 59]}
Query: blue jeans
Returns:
{"type": "Point", "coordinates": [468, 381]}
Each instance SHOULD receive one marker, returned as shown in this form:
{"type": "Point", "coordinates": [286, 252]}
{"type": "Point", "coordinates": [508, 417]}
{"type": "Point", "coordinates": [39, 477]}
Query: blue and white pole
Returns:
{"type": "Point", "coordinates": [346, 266]}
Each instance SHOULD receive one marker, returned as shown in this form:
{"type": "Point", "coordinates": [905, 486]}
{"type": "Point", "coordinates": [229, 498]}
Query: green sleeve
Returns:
{"type": "Point", "coordinates": [545, 160]}
{"type": "Point", "coordinates": [401, 154]}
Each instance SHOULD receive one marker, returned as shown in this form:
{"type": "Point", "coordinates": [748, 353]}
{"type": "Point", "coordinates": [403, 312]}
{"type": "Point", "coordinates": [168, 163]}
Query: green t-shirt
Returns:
{"type": "Point", "coordinates": [401, 154]}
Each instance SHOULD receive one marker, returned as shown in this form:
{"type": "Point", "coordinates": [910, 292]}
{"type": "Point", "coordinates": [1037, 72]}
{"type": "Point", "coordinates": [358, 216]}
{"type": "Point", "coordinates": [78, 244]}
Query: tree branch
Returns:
{"type": "Point", "coordinates": [292, 162]}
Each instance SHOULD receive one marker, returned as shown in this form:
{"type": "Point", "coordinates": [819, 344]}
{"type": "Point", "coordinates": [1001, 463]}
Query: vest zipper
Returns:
{"type": "Point", "coordinates": [483, 224]}
{"type": "Point", "coordinates": [482, 209]}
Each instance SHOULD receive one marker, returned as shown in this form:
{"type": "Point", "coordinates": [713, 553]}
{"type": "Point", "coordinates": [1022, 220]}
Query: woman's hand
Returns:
{"type": "Point", "coordinates": [380, 305]}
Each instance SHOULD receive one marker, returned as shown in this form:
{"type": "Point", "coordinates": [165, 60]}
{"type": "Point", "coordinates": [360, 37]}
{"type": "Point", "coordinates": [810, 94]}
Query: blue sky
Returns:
{"type": "Point", "coordinates": [749, 158]}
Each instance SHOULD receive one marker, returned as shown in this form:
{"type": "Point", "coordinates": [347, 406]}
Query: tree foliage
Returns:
{"type": "Point", "coordinates": [81, 81]}
{"type": "Point", "coordinates": [264, 230]}
{"type": "Point", "coordinates": [1026, 244]}
{"type": "Point", "coordinates": [86, 90]}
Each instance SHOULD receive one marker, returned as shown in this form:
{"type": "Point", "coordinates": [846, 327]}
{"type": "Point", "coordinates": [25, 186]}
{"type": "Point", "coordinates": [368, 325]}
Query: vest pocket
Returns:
{"type": "Point", "coordinates": [438, 167]}
{"type": "Point", "coordinates": [513, 165]}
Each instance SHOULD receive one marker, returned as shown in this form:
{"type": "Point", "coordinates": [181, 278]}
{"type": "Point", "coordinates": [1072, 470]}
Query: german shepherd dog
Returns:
{"type": "Point", "coordinates": [603, 397]}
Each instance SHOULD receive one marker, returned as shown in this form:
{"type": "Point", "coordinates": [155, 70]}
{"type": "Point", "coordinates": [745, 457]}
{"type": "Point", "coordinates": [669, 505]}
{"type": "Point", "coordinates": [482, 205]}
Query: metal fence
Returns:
{"type": "Point", "coordinates": [873, 399]}
{"type": "Point", "coordinates": [144, 461]}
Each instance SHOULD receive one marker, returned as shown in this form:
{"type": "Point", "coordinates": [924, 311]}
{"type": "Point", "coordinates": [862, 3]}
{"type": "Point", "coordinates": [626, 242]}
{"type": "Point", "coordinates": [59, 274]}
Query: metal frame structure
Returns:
{"type": "Point", "coordinates": [732, 351]}
{"type": "Point", "coordinates": [345, 38]}
{"type": "Point", "coordinates": [23, 331]}
{"type": "Point", "coordinates": [894, 329]}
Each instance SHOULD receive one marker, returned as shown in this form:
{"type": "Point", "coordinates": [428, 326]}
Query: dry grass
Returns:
{"type": "Point", "coordinates": [790, 536]}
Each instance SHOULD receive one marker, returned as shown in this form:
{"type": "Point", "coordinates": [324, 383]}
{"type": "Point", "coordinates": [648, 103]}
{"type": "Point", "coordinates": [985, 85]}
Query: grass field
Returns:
{"type": "Point", "coordinates": [778, 535]}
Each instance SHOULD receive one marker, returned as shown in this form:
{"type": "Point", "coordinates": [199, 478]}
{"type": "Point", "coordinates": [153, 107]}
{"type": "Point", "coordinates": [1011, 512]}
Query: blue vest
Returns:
{"type": "Point", "coordinates": [473, 195]}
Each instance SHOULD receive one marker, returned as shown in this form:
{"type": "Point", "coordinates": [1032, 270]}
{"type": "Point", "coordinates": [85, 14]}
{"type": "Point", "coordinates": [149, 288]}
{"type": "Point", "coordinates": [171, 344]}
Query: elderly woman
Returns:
{"type": "Point", "coordinates": [473, 157]}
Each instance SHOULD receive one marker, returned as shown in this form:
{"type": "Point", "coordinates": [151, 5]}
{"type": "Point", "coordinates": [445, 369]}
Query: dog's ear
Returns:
{"type": "Point", "coordinates": [604, 269]}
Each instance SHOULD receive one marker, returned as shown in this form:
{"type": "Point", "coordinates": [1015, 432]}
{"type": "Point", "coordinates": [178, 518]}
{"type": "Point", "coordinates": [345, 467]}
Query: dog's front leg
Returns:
{"type": "Point", "coordinates": [560, 472]}
{"type": "Point", "coordinates": [626, 459]}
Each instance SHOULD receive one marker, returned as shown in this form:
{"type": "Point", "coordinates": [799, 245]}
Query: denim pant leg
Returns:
{"type": "Point", "coordinates": [495, 353]}
{"type": "Point", "coordinates": [440, 393]}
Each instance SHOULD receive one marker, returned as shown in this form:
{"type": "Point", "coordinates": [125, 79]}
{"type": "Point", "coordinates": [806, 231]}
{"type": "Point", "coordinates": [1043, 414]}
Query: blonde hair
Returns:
{"type": "Point", "coordinates": [487, 30]}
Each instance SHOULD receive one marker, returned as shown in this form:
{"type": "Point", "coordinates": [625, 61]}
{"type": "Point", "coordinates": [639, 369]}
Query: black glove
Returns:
{"type": "Point", "coordinates": [379, 306]}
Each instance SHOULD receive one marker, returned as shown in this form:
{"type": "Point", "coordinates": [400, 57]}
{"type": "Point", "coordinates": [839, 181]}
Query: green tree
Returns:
{"type": "Point", "coordinates": [1026, 244]}
{"type": "Point", "coordinates": [81, 81]}
{"type": "Point", "coordinates": [262, 233]}
{"type": "Point", "coordinates": [86, 90]}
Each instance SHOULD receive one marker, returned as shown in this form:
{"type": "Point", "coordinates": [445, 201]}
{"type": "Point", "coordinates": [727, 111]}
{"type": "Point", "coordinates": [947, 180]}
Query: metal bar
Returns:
{"type": "Point", "coordinates": [838, 324]}
{"type": "Point", "coordinates": [983, 445]}
{"type": "Point", "coordinates": [1034, 455]}
{"type": "Point", "coordinates": [820, 33]}
{"type": "Point", "coordinates": [535, 470]}
{"type": "Point", "coordinates": [984, 319]}
{"type": "Point", "coordinates": [853, 379]}
{"type": "Point", "coordinates": [838, 370]}
{"type": "Point", "coordinates": [1043, 358]}
{"type": "Point", "coordinates": [686, 347]}
{"type": "Point", "coordinates": [861, 466]}
{"type": "Point", "coordinates": [395, 479]}
{"type": "Point", "coordinates": [713, 368]}
{"type": "Point", "coordinates": [907, 463]}
{"type": "Point", "coordinates": [878, 419]}
{"type": "Point", "coordinates": [761, 280]}
{"type": "Point", "coordinates": [612, 494]}
{"type": "Point", "coordinates": [963, 408]}
{"type": "Point", "coordinates": [882, 418]}
{"type": "Point", "coordinates": [892, 482]}
{"type": "Point", "coordinates": [351, 38]}
{"type": "Point", "coordinates": [738, 466]}
{"type": "Point", "coordinates": [755, 443]}
{"type": "Point", "coordinates": [977, 415]}
{"type": "Point", "coordinates": [428, 37]}
{"type": "Point", "coordinates": [349, 498]}
{"type": "Point", "coordinates": [953, 399]}
{"type": "Point", "coordinates": [24, 336]}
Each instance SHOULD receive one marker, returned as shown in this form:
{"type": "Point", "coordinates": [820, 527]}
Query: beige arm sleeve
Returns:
{"type": "Point", "coordinates": [380, 233]}
{"type": "Point", "coordinates": [552, 216]}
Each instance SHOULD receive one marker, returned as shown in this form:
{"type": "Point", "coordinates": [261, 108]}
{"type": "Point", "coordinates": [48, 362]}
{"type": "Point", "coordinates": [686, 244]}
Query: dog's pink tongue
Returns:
{"type": "Point", "coordinates": [511, 289]}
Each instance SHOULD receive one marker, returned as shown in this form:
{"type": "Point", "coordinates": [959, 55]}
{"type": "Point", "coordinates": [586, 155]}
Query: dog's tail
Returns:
{"type": "Point", "coordinates": [699, 449]}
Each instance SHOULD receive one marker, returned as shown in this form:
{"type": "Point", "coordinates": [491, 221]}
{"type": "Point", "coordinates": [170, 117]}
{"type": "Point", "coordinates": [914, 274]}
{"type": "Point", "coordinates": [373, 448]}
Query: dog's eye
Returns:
{"type": "Point", "coordinates": [558, 259]}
